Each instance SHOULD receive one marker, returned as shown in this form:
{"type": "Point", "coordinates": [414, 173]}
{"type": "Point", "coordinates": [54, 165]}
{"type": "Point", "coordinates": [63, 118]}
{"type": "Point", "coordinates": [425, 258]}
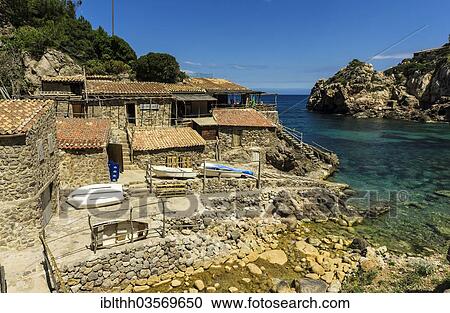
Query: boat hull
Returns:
{"type": "Point", "coordinates": [95, 200]}
{"type": "Point", "coordinates": [173, 172]}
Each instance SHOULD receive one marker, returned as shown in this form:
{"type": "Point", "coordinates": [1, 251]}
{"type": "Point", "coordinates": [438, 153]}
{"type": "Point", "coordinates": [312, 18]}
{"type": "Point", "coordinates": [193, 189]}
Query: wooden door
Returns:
{"type": "Point", "coordinates": [236, 140]}
{"type": "Point", "coordinates": [115, 154]}
{"type": "Point", "coordinates": [131, 113]}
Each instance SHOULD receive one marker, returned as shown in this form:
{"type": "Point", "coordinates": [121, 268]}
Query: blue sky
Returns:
{"type": "Point", "coordinates": [275, 45]}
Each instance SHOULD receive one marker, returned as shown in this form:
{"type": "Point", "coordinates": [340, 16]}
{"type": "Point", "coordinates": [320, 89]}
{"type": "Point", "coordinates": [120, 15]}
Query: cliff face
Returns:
{"type": "Point", "coordinates": [416, 89]}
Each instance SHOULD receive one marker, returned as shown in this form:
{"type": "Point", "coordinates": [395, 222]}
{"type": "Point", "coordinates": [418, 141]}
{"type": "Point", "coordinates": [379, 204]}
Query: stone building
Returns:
{"type": "Point", "coordinates": [243, 133]}
{"type": "Point", "coordinates": [29, 182]}
{"type": "Point", "coordinates": [189, 102]}
{"type": "Point", "coordinates": [129, 104]}
{"type": "Point", "coordinates": [172, 146]}
{"type": "Point", "coordinates": [225, 91]}
{"type": "Point", "coordinates": [82, 145]}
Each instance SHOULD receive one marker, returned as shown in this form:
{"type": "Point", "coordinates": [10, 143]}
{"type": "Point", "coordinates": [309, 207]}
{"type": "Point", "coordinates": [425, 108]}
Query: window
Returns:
{"type": "Point", "coordinates": [149, 106]}
{"type": "Point", "coordinates": [40, 150]}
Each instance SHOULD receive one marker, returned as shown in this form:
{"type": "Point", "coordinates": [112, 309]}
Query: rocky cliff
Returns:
{"type": "Point", "coordinates": [52, 63]}
{"type": "Point", "coordinates": [416, 89]}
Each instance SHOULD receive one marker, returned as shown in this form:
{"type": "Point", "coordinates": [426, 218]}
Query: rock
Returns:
{"type": "Point", "coordinates": [312, 276]}
{"type": "Point", "coordinates": [274, 257]}
{"type": "Point", "coordinates": [246, 280]}
{"type": "Point", "coordinates": [52, 63]}
{"type": "Point", "coordinates": [192, 290]}
{"type": "Point", "coordinates": [335, 286]}
{"type": "Point", "coordinates": [400, 92]}
{"type": "Point", "coordinates": [306, 249]}
{"type": "Point", "coordinates": [211, 289]}
{"type": "Point", "coordinates": [298, 269]}
{"type": "Point", "coordinates": [282, 286]}
{"type": "Point", "coordinates": [314, 241]}
{"type": "Point", "coordinates": [233, 289]}
{"type": "Point", "coordinates": [141, 289]}
{"type": "Point", "coordinates": [254, 269]}
{"type": "Point", "coordinates": [368, 265]}
{"type": "Point", "coordinates": [199, 284]}
{"type": "Point", "coordinates": [234, 235]}
{"type": "Point", "coordinates": [317, 269]}
{"type": "Point", "coordinates": [153, 280]}
{"type": "Point", "coordinates": [175, 283]}
{"type": "Point", "coordinates": [359, 244]}
{"type": "Point", "coordinates": [306, 285]}
{"type": "Point", "coordinates": [443, 193]}
{"type": "Point", "coordinates": [327, 277]}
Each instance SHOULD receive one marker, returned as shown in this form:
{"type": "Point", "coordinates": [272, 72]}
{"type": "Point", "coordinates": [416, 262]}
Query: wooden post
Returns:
{"type": "Point", "coordinates": [131, 224]}
{"type": "Point", "coordinates": [3, 286]}
{"type": "Point", "coordinates": [164, 218]}
{"type": "Point", "coordinates": [149, 171]}
{"type": "Point", "coordinates": [258, 185]}
{"type": "Point", "coordinates": [204, 176]}
{"type": "Point", "coordinates": [93, 236]}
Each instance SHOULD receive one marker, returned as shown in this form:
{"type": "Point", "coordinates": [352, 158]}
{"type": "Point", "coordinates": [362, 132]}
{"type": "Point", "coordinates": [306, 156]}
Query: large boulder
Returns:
{"type": "Point", "coordinates": [52, 63]}
{"type": "Point", "coordinates": [308, 285]}
{"type": "Point", "coordinates": [410, 90]}
{"type": "Point", "coordinates": [274, 257]}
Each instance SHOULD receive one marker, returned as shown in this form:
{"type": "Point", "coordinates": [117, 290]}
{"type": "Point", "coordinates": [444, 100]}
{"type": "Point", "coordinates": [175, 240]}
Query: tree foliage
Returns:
{"type": "Point", "coordinates": [158, 67]}
{"type": "Point", "coordinates": [42, 24]}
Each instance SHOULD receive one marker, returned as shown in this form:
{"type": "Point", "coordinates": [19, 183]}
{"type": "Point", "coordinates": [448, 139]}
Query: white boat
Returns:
{"type": "Point", "coordinates": [215, 170]}
{"type": "Point", "coordinates": [97, 188]}
{"type": "Point", "coordinates": [94, 196]}
{"type": "Point", "coordinates": [173, 172]}
{"type": "Point", "coordinates": [221, 173]}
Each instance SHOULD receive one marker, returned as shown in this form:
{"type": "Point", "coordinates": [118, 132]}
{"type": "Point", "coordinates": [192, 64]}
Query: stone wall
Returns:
{"type": "Point", "coordinates": [141, 261]}
{"type": "Point", "coordinates": [24, 179]}
{"type": "Point", "coordinates": [147, 262]}
{"type": "Point", "coordinates": [142, 158]}
{"type": "Point", "coordinates": [83, 167]}
{"type": "Point", "coordinates": [252, 139]}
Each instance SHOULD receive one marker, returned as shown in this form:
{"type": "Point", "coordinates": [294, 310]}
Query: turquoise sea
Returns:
{"type": "Point", "coordinates": [407, 160]}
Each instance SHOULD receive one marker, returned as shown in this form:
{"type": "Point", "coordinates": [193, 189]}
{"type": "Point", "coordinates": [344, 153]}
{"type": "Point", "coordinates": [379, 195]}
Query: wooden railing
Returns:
{"type": "Point", "coordinates": [54, 278]}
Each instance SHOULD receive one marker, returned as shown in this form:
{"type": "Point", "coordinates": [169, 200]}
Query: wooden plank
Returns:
{"type": "Point", "coordinates": [3, 285]}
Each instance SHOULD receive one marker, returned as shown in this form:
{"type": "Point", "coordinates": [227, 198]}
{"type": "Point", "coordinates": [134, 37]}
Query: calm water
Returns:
{"type": "Point", "coordinates": [387, 156]}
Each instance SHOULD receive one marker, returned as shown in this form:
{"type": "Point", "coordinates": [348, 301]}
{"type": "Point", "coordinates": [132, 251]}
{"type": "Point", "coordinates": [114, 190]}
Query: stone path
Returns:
{"type": "Point", "coordinates": [23, 269]}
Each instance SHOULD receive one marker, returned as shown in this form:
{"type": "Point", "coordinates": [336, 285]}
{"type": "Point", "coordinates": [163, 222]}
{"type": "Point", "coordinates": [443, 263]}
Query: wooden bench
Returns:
{"type": "Point", "coordinates": [170, 190]}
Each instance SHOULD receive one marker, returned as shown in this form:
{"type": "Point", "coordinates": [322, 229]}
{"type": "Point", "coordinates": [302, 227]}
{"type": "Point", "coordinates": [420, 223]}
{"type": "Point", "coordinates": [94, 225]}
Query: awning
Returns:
{"type": "Point", "coordinates": [194, 97]}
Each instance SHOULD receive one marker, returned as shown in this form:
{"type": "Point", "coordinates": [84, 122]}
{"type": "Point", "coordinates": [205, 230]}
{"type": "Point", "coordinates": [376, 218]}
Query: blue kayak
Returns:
{"type": "Point", "coordinates": [214, 166]}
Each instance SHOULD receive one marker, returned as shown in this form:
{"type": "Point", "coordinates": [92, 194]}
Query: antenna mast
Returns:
{"type": "Point", "coordinates": [112, 17]}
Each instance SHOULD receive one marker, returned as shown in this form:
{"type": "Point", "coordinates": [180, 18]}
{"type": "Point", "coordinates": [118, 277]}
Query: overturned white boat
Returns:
{"type": "Point", "coordinates": [220, 170]}
{"type": "Point", "coordinates": [95, 196]}
{"type": "Point", "coordinates": [173, 172]}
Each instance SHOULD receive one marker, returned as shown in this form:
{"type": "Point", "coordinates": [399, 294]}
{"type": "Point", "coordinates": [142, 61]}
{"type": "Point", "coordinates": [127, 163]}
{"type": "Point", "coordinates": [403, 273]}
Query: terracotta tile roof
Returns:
{"type": "Point", "coordinates": [241, 117]}
{"type": "Point", "coordinates": [97, 87]}
{"type": "Point", "coordinates": [82, 133]}
{"type": "Point", "coordinates": [64, 79]}
{"type": "Point", "coordinates": [184, 88]}
{"type": "Point", "coordinates": [166, 138]}
{"type": "Point", "coordinates": [216, 85]}
{"type": "Point", "coordinates": [17, 116]}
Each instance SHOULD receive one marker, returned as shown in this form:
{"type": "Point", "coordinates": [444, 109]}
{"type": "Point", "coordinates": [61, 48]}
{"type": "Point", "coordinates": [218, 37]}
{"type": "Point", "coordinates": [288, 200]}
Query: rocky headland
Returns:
{"type": "Point", "coordinates": [416, 89]}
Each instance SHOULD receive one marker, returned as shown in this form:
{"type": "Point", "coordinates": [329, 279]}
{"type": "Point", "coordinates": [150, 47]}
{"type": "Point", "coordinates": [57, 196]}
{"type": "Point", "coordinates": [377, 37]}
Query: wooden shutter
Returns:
{"type": "Point", "coordinates": [172, 161]}
{"type": "Point", "coordinates": [236, 140]}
